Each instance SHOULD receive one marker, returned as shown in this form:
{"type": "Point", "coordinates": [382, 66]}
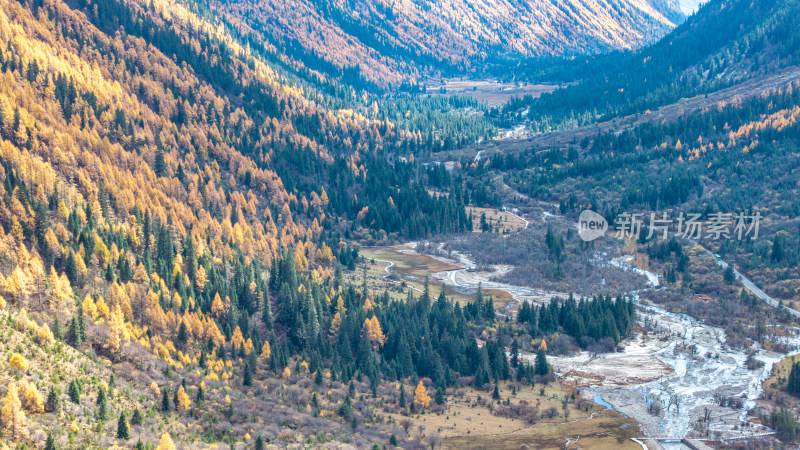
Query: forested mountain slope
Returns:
{"type": "Point", "coordinates": [179, 194]}
{"type": "Point", "coordinates": [390, 41]}
{"type": "Point", "coordinates": [721, 138]}
{"type": "Point", "coordinates": [725, 43]}
{"type": "Point", "coordinates": [172, 207]}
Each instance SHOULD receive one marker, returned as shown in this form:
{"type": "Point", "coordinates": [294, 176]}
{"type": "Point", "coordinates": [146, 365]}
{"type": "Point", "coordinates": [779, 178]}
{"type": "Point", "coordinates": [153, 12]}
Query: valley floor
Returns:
{"type": "Point", "coordinates": [668, 113]}
{"type": "Point", "coordinates": [677, 361]}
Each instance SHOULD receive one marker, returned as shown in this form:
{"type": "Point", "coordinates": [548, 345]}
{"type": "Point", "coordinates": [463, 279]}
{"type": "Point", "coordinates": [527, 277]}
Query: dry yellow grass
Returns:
{"type": "Point", "coordinates": [775, 393]}
{"type": "Point", "coordinates": [503, 220]}
{"type": "Point", "coordinates": [601, 432]}
{"type": "Point", "coordinates": [776, 383]}
{"type": "Point", "coordinates": [490, 92]}
{"type": "Point", "coordinates": [409, 271]}
{"type": "Point", "coordinates": [470, 423]}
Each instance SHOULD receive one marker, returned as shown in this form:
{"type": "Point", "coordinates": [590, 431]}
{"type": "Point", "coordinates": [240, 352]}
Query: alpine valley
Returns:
{"type": "Point", "coordinates": [361, 224]}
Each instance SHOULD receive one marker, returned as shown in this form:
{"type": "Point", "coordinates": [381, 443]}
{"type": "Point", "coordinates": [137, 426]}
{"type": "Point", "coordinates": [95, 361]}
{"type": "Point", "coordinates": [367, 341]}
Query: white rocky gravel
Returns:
{"type": "Point", "coordinates": [703, 368]}
{"type": "Point", "coordinates": [679, 361]}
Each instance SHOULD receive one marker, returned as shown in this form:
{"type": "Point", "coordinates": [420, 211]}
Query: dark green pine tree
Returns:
{"type": "Point", "coordinates": [793, 384]}
{"type": "Point", "coordinates": [344, 408]}
{"type": "Point", "coordinates": [175, 398]}
{"type": "Point", "coordinates": [102, 405]}
{"type": "Point", "coordinates": [183, 333]}
{"type": "Point", "coordinates": [260, 442]}
{"type": "Point", "coordinates": [483, 373]}
{"type": "Point", "coordinates": [71, 268]}
{"type": "Point", "coordinates": [122, 427]}
{"type": "Point", "coordinates": [73, 336]}
{"type": "Point", "coordinates": [53, 404]}
{"type": "Point", "coordinates": [58, 329]}
{"type": "Point", "coordinates": [165, 406]}
{"type": "Point", "coordinates": [201, 395]}
{"type": "Point", "coordinates": [404, 357]}
{"type": "Point", "coordinates": [50, 443]}
{"type": "Point", "coordinates": [777, 249]}
{"type": "Point", "coordinates": [785, 424]}
{"type": "Point", "coordinates": [75, 391]}
{"type": "Point", "coordinates": [76, 333]}
{"type": "Point", "coordinates": [247, 379]}
{"type": "Point", "coordinates": [402, 401]}
{"type": "Point", "coordinates": [365, 359]}
{"type": "Point", "coordinates": [439, 397]}
{"type": "Point", "coordinates": [137, 418]}
{"type": "Point", "coordinates": [514, 353]}
{"type": "Point", "coordinates": [729, 276]}
{"type": "Point", "coordinates": [160, 163]}
{"type": "Point", "coordinates": [540, 366]}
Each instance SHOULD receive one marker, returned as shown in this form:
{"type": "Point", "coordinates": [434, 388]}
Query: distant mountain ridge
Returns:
{"type": "Point", "coordinates": [388, 40]}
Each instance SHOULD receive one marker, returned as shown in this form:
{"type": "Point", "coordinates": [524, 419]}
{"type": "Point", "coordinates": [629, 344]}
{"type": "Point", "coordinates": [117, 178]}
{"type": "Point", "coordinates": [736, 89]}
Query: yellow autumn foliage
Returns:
{"type": "Point", "coordinates": [421, 396]}
{"type": "Point", "coordinates": [45, 336]}
{"type": "Point", "coordinates": [19, 362]}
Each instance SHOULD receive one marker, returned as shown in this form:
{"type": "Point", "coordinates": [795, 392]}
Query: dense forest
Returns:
{"type": "Point", "coordinates": [744, 150]}
{"type": "Point", "coordinates": [185, 196]}
{"type": "Point", "coordinates": [725, 43]}
{"type": "Point", "coordinates": [145, 205]}
{"type": "Point", "coordinates": [394, 45]}
{"type": "Point", "coordinates": [598, 323]}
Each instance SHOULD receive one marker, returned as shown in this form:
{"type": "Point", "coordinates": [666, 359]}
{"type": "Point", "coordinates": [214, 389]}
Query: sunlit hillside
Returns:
{"type": "Point", "coordinates": [141, 213]}
{"type": "Point", "coordinates": [338, 224]}
{"type": "Point", "coordinates": [386, 42]}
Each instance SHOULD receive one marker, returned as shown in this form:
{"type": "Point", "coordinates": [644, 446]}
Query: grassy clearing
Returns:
{"type": "Point", "coordinates": [775, 385]}
{"type": "Point", "coordinates": [491, 92]}
{"type": "Point", "coordinates": [409, 271]}
{"type": "Point", "coordinates": [503, 221]}
{"type": "Point", "coordinates": [775, 394]}
{"type": "Point", "coordinates": [468, 420]}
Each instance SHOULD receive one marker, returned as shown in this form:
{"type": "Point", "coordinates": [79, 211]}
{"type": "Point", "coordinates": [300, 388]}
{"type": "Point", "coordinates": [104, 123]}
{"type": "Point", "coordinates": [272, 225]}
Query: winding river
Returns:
{"type": "Point", "coordinates": [701, 383]}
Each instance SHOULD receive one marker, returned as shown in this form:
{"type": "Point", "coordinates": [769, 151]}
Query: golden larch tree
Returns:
{"type": "Point", "coordinates": [184, 402]}
{"type": "Point", "coordinates": [336, 322]}
{"type": "Point", "coordinates": [117, 334]}
{"type": "Point", "coordinates": [34, 402]}
{"type": "Point", "coordinates": [166, 443]}
{"type": "Point", "coordinates": [217, 308]}
{"type": "Point", "coordinates": [45, 336]}
{"type": "Point", "coordinates": [18, 362]}
{"type": "Point", "coordinates": [237, 339]}
{"type": "Point", "coordinates": [373, 329]}
{"type": "Point", "coordinates": [421, 396]}
{"type": "Point", "coordinates": [201, 278]}
{"type": "Point", "coordinates": [61, 291]}
{"type": "Point", "coordinates": [266, 351]}
{"type": "Point", "coordinates": [14, 421]}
